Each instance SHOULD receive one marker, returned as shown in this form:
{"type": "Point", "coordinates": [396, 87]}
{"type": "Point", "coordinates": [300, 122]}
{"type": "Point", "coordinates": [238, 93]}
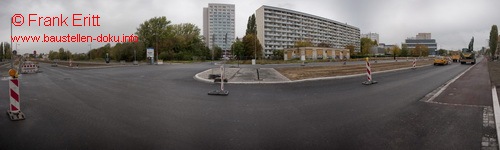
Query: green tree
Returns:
{"type": "Point", "coordinates": [252, 46]}
{"type": "Point", "coordinates": [442, 52]}
{"type": "Point", "coordinates": [323, 44]}
{"type": "Point", "coordinates": [62, 54]}
{"type": "Point", "coordinates": [217, 52]}
{"type": "Point", "coordinates": [420, 50]}
{"type": "Point", "coordinates": [1, 51]}
{"type": "Point", "coordinates": [396, 51]}
{"type": "Point", "coordinates": [493, 43]}
{"type": "Point", "coordinates": [278, 54]}
{"type": "Point", "coordinates": [350, 48]}
{"type": "Point", "coordinates": [238, 48]}
{"type": "Point", "coordinates": [366, 45]}
{"type": "Point", "coordinates": [53, 55]}
{"type": "Point", "coordinates": [251, 25]}
{"type": "Point", "coordinates": [8, 50]}
{"type": "Point", "coordinates": [185, 42]}
{"type": "Point", "coordinates": [404, 51]}
{"type": "Point", "coordinates": [152, 31]}
{"type": "Point", "coordinates": [303, 43]}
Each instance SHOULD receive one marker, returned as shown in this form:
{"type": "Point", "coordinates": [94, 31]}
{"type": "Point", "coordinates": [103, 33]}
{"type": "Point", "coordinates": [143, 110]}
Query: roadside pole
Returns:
{"type": "Point", "coordinates": [414, 64]}
{"type": "Point", "coordinates": [14, 110]}
{"type": "Point", "coordinates": [220, 92]}
{"type": "Point", "coordinates": [369, 74]}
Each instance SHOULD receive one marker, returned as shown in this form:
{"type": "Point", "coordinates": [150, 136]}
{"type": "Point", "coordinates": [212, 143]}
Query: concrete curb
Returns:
{"type": "Point", "coordinates": [496, 110]}
{"type": "Point", "coordinates": [197, 77]}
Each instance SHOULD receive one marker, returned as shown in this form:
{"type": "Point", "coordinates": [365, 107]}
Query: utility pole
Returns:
{"type": "Point", "coordinates": [255, 46]}
{"type": "Point", "coordinates": [90, 49]}
{"type": "Point", "coordinates": [213, 46]}
{"type": "Point", "coordinates": [225, 46]}
{"type": "Point", "coordinates": [11, 61]}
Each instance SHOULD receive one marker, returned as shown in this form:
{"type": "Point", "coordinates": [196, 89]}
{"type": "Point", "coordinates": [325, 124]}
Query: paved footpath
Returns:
{"type": "Point", "coordinates": [473, 89]}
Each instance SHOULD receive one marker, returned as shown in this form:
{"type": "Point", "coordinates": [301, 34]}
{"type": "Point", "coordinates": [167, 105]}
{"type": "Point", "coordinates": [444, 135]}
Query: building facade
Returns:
{"type": "Point", "coordinates": [316, 53]}
{"type": "Point", "coordinates": [279, 28]}
{"type": "Point", "coordinates": [372, 36]}
{"type": "Point", "coordinates": [431, 44]}
{"type": "Point", "coordinates": [423, 36]}
{"type": "Point", "coordinates": [219, 26]}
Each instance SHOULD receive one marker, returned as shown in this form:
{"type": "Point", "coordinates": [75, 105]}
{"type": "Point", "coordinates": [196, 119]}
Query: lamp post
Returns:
{"type": "Point", "coordinates": [11, 61]}
{"type": "Point", "coordinates": [90, 49]}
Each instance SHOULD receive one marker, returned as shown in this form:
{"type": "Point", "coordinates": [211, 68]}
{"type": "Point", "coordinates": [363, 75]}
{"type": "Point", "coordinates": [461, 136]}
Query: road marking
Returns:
{"type": "Point", "coordinates": [496, 110]}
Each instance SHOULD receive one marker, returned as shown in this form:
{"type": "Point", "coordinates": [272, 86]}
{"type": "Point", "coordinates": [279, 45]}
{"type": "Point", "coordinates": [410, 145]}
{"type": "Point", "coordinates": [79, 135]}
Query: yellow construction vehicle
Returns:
{"type": "Point", "coordinates": [455, 56]}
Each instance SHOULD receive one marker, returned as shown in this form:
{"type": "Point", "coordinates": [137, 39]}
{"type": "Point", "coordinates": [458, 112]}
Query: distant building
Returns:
{"type": "Point", "coordinates": [279, 28]}
{"type": "Point", "coordinates": [422, 39]}
{"type": "Point", "coordinates": [372, 36]}
{"type": "Point", "coordinates": [218, 26]}
{"type": "Point", "coordinates": [423, 36]}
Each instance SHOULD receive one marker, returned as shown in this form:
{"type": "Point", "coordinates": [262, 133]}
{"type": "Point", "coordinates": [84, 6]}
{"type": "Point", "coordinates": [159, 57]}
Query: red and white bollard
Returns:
{"type": "Point", "coordinates": [222, 72]}
{"type": "Point", "coordinates": [369, 74]}
{"type": "Point", "coordinates": [414, 64]}
{"type": "Point", "coordinates": [221, 92]}
{"type": "Point", "coordinates": [14, 111]}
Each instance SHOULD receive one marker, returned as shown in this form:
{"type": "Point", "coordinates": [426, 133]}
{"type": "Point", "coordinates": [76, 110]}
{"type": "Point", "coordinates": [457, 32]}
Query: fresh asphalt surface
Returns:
{"type": "Point", "coordinates": [163, 107]}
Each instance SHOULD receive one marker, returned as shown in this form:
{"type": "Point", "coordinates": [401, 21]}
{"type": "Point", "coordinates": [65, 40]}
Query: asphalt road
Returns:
{"type": "Point", "coordinates": [163, 107]}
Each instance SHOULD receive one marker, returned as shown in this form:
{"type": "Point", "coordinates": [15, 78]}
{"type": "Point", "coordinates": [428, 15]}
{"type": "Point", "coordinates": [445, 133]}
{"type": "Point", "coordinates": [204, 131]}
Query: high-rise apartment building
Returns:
{"type": "Point", "coordinates": [372, 36]}
{"type": "Point", "coordinates": [279, 28]}
{"type": "Point", "coordinates": [218, 26]}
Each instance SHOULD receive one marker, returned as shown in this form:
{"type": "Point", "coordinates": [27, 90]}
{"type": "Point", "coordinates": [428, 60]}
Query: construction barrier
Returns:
{"type": "Point", "coordinates": [414, 64]}
{"type": "Point", "coordinates": [368, 74]}
{"type": "Point", "coordinates": [221, 92]}
{"type": "Point", "coordinates": [29, 68]}
{"type": "Point", "coordinates": [14, 111]}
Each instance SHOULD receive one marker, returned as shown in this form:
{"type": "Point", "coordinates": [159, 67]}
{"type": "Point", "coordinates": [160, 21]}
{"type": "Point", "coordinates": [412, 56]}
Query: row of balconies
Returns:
{"type": "Point", "coordinates": [272, 18]}
{"type": "Point", "coordinates": [275, 27]}
{"type": "Point", "coordinates": [278, 19]}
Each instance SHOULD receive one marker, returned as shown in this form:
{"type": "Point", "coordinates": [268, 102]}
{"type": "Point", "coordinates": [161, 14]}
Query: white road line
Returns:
{"type": "Point", "coordinates": [496, 110]}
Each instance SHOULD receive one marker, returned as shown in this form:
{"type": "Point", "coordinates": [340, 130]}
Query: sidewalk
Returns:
{"type": "Point", "coordinates": [472, 88]}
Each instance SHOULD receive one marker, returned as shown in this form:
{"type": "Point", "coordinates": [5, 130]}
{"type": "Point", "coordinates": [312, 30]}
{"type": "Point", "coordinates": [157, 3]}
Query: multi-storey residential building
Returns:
{"type": "Point", "coordinates": [279, 28]}
{"type": "Point", "coordinates": [372, 36]}
{"type": "Point", "coordinates": [218, 26]}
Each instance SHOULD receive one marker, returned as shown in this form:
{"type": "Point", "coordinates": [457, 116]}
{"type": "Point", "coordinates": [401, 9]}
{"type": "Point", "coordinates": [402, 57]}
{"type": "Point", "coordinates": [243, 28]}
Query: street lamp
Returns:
{"type": "Point", "coordinates": [90, 49]}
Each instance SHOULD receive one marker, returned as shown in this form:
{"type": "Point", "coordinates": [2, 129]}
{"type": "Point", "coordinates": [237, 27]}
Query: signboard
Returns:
{"type": "Point", "coordinates": [150, 52]}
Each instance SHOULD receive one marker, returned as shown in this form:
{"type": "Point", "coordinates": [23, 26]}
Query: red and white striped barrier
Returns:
{"type": "Point", "coordinates": [14, 111]}
{"type": "Point", "coordinates": [221, 91]}
{"type": "Point", "coordinates": [414, 64]}
{"type": "Point", "coordinates": [222, 72]}
{"type": "Point", "coordinates": [369, 74]}
{"type": "Point", "coordinates": [29, 68]}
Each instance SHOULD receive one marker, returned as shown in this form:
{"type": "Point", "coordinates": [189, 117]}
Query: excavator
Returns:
{"type": "Point", "coordinates": [468, 55]}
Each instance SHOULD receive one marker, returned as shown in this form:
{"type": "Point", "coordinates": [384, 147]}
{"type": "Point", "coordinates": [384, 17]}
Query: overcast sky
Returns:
{"type": "Point", "coordinates": [451, 22]}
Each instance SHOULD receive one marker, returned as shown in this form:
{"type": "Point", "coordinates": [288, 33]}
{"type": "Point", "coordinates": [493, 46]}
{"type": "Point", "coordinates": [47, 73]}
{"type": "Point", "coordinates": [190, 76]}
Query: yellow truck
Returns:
{"type": "Point", "coordinates": [455, 56]}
